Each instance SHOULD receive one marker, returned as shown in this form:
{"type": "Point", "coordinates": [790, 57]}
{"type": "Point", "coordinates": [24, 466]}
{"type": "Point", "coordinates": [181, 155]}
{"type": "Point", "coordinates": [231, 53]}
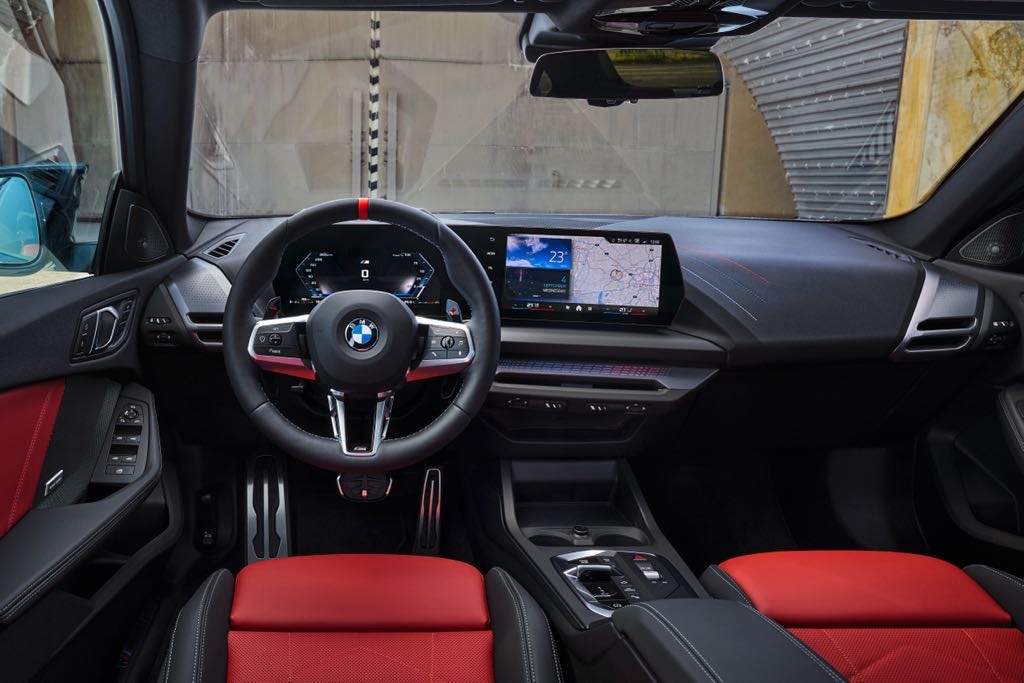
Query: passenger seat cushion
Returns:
{"type": "Point", "coordinates": [937, 655]}
{"type": "Point", "coordinates": [884, 616]}
{"type": "Point", "coordinates": [857, 589]}
{"type": "Point", "coordinates": [385, 593]}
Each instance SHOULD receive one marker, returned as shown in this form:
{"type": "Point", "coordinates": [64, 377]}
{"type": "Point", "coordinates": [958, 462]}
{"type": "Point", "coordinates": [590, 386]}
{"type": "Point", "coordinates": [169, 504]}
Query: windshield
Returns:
{"type": "Point", "coordinates": [821, 119]}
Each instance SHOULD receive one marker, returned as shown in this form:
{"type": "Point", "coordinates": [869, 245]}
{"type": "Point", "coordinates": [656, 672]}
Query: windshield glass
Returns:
{"type": "Point", "coordinates": [821, 119]}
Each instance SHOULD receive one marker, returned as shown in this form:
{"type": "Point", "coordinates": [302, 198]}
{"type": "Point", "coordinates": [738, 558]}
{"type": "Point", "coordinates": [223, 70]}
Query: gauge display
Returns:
{"type": "Point", "coordinates": [406, 274]}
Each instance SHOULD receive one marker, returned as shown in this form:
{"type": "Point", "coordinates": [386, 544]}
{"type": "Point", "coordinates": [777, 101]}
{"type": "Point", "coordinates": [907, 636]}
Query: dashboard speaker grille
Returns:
{"type": "Point", "coordinates": [998, 244]}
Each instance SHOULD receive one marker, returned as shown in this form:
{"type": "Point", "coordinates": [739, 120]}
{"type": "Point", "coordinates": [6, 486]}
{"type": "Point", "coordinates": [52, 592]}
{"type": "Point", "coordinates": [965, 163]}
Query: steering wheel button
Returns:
{"type": "Point", "coordinates": [275, 339]}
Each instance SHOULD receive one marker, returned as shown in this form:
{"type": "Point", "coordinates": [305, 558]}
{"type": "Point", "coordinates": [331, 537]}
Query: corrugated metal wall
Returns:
{"type": "Point", "coordinates": [829, 92]}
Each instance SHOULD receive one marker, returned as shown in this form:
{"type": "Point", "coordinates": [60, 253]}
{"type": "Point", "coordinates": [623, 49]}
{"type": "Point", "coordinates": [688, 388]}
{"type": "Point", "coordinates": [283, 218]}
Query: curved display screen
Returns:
{"type": "Point", "coordinates": [546, 274]}
{"type": "Point", "coordinates": [615, 276]}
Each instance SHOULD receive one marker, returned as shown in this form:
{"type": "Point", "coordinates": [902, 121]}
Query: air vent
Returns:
{"type": "Point", "coordinates": [939, 342]}
{"type": "Point", "coordinates": [944, 320]}
{"type": "Point", "coordinates": [947, 324]}
{"type": "Point", "coordinates": [224, 248]}
{"type": "Point", "coordinates": [206, 318]}
{"type": "Point", "coordinates": [891, 253]}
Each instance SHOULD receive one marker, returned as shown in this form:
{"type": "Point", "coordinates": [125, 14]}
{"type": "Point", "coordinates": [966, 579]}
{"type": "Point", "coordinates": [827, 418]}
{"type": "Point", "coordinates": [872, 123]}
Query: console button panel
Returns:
{"type": "Point", "coordinates": [607, 580]}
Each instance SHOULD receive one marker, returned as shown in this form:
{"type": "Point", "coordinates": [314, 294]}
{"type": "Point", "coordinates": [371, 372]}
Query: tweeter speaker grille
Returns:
{"type": "Point", "coordinates": [998, 244]}
{"type": "Point", "coordinates": [144, 239]}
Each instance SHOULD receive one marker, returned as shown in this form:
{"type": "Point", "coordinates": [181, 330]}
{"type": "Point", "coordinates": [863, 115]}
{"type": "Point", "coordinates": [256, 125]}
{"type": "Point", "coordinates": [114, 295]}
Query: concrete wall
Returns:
{"type": "Point", "coordinates": [274, 126]}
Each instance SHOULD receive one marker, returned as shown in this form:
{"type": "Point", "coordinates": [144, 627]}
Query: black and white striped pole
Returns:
{"type": "Point", "coordinates": [374, 112]}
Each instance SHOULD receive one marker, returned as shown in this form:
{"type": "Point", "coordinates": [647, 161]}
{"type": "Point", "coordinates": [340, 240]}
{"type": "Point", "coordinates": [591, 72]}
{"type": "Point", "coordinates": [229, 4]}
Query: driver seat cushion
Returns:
{"type": "Point", "coordinates": [886, 616]}
{"type": "Point", "coordinates": [361, 618]}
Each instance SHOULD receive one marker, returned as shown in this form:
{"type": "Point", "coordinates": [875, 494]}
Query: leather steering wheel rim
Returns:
{"type": "Point", "coordinates": [466, 275]}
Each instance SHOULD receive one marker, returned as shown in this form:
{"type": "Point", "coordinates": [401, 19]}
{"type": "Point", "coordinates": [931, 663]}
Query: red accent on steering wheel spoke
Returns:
{"type": "Point", "coordinates": [364, 208]}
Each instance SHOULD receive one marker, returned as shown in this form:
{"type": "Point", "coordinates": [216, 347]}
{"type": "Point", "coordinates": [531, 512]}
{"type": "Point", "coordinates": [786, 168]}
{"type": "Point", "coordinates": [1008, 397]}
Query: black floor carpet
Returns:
{"type": "Point", "coordinates": [714, 505]}
{"type": "Point", "coordinates": [323, 522]}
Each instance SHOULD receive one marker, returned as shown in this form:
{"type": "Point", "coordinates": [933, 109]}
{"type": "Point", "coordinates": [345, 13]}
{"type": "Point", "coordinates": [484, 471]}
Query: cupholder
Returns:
{"type": "Point", "coordinates": [610, 537]}
{"type": "Point", "coordinates": [549, 540]}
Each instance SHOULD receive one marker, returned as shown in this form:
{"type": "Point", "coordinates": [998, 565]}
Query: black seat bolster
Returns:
{"type": "Point", "coordinates": [717, 640]}
{"type": "Point", "coordinates": [198, 650]}
{"type": "Point", "coordinates": [722, 586]}
{"type": "Point", "coordinates": [1006, 589]}
{"type": "Point", "coordinates": [524, 646]}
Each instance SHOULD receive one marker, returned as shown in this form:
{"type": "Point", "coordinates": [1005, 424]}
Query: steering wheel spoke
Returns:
{"type": "Point", "coordinates": [448, 349]}
{"type": "Point", "coordinates": [279, 346]}
{"type": "Point", "coordinates": [360, 424]}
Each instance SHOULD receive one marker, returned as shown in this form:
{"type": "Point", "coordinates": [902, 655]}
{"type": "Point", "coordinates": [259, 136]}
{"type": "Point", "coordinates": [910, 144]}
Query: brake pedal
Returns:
{"type": "Point", "coordinates": [428, 526]}
{"type": "Point", "coordinates": [266, 518]}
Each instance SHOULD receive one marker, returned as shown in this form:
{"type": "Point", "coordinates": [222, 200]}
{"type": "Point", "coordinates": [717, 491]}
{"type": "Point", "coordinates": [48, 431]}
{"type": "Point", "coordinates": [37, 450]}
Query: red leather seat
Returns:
{"type": "Point", "coordinates": [885, 616]}
{"type": "Point", "coordinates": [361, 618]}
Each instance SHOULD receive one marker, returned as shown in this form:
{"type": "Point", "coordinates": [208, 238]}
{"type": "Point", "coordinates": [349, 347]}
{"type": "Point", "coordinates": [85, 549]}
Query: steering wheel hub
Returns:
{"type": "Point", "coordinates": [361, 341]}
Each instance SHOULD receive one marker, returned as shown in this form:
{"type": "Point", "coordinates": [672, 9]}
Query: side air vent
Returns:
{"type": "Point", "coordinates": [224, 248]}
{"type": "Point", "coordinates": [887, 251]}
{"type": "Point", "coordinates": [945, 319]}
{"type": "Point", "coordinates": [932, 324]}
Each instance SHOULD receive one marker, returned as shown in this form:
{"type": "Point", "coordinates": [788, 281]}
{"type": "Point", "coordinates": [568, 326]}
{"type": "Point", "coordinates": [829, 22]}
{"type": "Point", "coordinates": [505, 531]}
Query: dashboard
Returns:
{"type": "Point", "coordinates": [601, 276]}
{"type": "Point", "coordinates": [684, 323]}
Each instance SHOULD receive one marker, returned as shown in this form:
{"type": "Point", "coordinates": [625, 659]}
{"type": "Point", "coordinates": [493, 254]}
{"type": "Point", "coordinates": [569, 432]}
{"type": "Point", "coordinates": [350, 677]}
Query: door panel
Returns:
{"type": "Point", "coordinates": [27, 416]}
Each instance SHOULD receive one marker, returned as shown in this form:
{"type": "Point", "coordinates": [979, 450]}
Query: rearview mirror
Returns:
{"type": "Point", "coordinates": [614, 76]}
{"type": "Point", "coordinates": [21, 230]}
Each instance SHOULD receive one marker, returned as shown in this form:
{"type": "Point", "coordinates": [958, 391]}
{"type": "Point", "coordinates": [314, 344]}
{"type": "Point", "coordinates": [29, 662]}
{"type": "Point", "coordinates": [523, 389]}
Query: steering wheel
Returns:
{"type": "Point", "coordinates": [361, 345]}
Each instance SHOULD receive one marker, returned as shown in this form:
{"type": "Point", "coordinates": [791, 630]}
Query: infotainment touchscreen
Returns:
{"type": "Point", "coordinates": [593, 275]}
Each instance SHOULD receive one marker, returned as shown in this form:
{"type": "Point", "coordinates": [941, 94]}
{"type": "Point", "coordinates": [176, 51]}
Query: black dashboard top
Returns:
{"type": "Point", "coordinates": [762, 290]}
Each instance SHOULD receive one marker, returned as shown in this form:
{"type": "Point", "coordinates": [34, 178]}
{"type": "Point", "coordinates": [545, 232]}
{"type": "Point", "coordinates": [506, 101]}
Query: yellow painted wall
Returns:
{"type": "Point", "coordinates": [753, 180]}
{"type": "Point", "coordinates": [958, 78]}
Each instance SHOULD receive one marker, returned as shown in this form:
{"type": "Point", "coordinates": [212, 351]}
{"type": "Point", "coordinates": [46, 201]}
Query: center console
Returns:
{"type": "Point", "coordinates": [624, 603]}
{"type": "Point", "coordinates": [585, 526]}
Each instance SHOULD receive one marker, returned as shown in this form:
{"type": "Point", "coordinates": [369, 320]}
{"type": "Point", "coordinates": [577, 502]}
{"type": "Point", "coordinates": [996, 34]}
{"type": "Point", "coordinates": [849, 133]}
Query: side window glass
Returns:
{"type": "Point", "coordinates": [58, 140]}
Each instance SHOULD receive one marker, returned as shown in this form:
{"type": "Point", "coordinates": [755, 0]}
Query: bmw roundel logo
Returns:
{"type": "Point", "coordinates": [362, 334]}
